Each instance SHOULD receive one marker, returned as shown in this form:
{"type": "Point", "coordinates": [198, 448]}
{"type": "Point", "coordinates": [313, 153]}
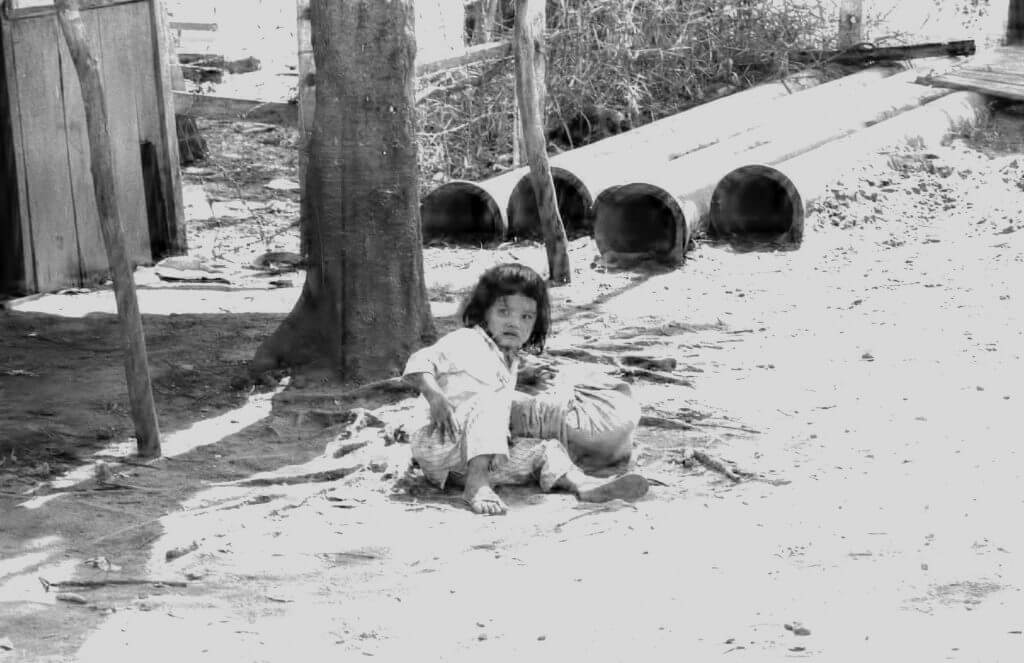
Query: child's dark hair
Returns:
{"type": "Point", "coordinates": [510, 279]}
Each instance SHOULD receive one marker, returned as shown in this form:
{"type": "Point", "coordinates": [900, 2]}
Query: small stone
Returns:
{"type": "Point", "coordinates": [924, 566]}
{"type": "Point", "coordinates": [801, 630]}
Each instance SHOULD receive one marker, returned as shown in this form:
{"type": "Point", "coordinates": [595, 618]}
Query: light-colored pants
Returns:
{"type": "Point", "coordinates": [535, 438]}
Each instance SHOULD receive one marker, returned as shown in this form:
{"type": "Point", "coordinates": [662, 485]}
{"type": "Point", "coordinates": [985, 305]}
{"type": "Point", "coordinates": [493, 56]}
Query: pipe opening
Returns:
{"type": "Point", "coordinates": [639, 220]}
{"type": "Point", "coordinates": [461, 211]}
{"type": "Point", "coordinates": [573, 200]}
{"type": "Point", "coordinates": [757, 203]}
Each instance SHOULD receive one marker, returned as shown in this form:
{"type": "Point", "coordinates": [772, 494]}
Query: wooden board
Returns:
{"type": "Point", "coordinates": [92, 252]}
{"type": "Point", "coordinates": [174, 237]}
{"type": "Point", "coordinates": [12, 245]}
{"type": "Point", "coordinates": [52, 260]}
{"type": "Point", "coordinates": [123, 51]}
{"type": "Point", "coordinates": [999, 73]}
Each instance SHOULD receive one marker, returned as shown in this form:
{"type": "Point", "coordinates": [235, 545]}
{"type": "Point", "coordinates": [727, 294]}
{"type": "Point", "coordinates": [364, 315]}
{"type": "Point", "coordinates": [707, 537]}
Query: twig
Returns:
{"type": "Point", "coordinates": [715, 464]}
{"type": "Point", "coordinates": [654, 376]}
{"type": "Point", "coordinates": [92, 584]}
{"type": "Point", "coordinates": [314, 477]}
{"type": "Point", "coordinates": [743, 429]}
{"type": "Point", "coordinates": [663, 422]}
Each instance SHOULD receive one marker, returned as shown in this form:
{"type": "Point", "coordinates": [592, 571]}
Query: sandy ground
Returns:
{"type": "Point", "coordinates": [868, 382]}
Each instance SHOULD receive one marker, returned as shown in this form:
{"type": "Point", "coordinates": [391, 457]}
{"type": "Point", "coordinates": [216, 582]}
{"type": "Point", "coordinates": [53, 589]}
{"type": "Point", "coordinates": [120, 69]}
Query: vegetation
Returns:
{"type": "Point", "coordinates": [646, 59]}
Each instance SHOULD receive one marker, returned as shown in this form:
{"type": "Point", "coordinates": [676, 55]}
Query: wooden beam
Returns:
{"type": "Point", "coordinates": [471, 55]}
{"type": "Point", "coordinates": [140, 389]}
{"type": "Point", "coordinates": [229, 108]}
{"type": "Point", "coordinates": [851, 16]}
{"type": "Point", "coordinates": [16, 13]}
{"type": "Point", "coordinates": [194, 26]}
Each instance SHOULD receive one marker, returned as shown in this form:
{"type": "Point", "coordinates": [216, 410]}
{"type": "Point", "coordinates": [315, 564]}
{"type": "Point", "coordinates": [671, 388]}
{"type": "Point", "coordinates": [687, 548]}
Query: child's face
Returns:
{"type": "Point", "coordinates": [510, 320]}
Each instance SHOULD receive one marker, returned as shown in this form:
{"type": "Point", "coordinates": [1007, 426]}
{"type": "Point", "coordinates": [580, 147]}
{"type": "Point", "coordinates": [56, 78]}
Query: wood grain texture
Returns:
{"type": "Point", "coordinates": [173, 237]}
{"type": "Point", "coordinates": [140, 391]}
{"type": "Point", "coordinates": [122, 51]}
{"type": "Point", "coordinates": [49, 222]}
{"type": "Point", "coordinates": [92, 255]}
{"type": "Point", "coordinates": [13, 244]}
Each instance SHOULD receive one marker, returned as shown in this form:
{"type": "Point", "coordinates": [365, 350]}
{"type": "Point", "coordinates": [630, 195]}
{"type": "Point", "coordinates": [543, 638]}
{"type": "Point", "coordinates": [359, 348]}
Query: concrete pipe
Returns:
{"type": "Point", "coordinates": [695, 177]}
{"type": "Point", "coordinates": [764, 201]}
{"type": "Point", "coordinates": [461, 209]}
{"type": "Point", "coordinates": [741, 120]}
{"type": "Point", "coordinates": [643, 222]}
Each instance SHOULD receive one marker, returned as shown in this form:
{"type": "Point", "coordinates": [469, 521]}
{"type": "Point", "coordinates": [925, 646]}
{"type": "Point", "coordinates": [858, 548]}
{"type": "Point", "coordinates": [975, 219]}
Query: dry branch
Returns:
{"type": "Point", "coordinates": [93, 584]}
{"type": "Point", "coordinates": [716, 465]}
{"type": "Point", "coordinates": [654, 376]}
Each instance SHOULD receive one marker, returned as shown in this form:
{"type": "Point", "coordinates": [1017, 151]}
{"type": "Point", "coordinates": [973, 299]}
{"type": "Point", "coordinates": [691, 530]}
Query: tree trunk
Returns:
{"type": "Point", "coordinates": [364, 306]}
{"type": "Point", "coordinates": [1015, 23]}
{"type": "Point", "coordinates": [530, 87]}
{"type": "Point", "coordinates": [136, 366]}
{"type": "Point", "coordinates": [851, 17]}
{"type": "Point", "coordinates": [486, 15]}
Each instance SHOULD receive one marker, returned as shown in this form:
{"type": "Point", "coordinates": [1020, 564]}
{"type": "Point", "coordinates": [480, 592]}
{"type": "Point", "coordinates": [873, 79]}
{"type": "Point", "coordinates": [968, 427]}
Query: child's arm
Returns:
{"type": "Point", "coordinates": [442, 414]}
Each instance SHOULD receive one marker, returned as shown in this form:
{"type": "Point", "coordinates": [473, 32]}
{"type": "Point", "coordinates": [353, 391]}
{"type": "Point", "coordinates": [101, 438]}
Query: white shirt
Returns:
{"type": "Point", "coordinates": [466, 363]}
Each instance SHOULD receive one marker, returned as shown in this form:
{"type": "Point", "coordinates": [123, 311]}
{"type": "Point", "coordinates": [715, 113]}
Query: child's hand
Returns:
{"type": "Point", "coordinates": [442, 418]}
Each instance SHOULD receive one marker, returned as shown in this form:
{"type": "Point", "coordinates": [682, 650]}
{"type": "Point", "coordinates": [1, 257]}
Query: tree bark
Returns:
{"type": "Point", "coordinates": [363, 308]}
{"type": "Point", "coordinates": [1015, 23]}
{"type": "Point", "coordinates": [530, 68]}
{"type": "Point", "coordinates": [851, 16]}
{"type": "Point", "coordinates": [486, 16]}
{"type": "Point", "coordinates": [136, 366]}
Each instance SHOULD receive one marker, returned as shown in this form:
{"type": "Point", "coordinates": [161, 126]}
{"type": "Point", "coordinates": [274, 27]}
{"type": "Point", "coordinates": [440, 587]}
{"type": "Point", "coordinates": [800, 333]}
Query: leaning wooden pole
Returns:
{"type": "Point", "coordinates": [530, 74]}
{"type": "Point", "coordinates": [140, 390]}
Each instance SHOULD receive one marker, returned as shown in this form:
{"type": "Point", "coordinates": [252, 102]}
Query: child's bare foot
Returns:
{"type": "Point", "coordinates": [588, 489]}
{"type": "Point", "coordinates": [478, 493]}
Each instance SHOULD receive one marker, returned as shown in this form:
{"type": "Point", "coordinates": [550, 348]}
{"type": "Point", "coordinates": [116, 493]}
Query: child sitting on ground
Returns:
{"type": "Point", "coordinates": [468, 379]}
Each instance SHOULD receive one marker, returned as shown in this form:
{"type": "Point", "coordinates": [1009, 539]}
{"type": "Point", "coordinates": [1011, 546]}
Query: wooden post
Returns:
{"type": "Point", "coordinates": [851, 15]}
{"type": "Point", "coordinates": [530, 87]}
{"type": "Point", "coordinates": [307, 107]}
{"type": "Point", "coordinates": [1015, 23]}
{"type": "Point", "coordinates": [140, 390]}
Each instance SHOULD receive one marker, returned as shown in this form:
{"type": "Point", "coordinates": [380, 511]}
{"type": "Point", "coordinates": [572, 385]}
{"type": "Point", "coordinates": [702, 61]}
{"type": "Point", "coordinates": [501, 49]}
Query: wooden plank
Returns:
{"type": "Point", "coordinates": [14, 247]}
{"type": "Point", "coordinates": [53, 262]}
{"type": "Point", "coordinates": [92, 254]}
{"type": "Point", "coordinates": [119, 55]}
{"type": "Point", "coordinates": [1008, 86]}
{"type": "Point", "coordinates": [230, 108]}
{"type": "Point", "coordinates": [165, 138]}
{"type": "Point", "coordinates": [16, 13]}
{"type": "Point", "coordinates": [193, 25]}
{"type": "Point", "coordinates": [473, 54]}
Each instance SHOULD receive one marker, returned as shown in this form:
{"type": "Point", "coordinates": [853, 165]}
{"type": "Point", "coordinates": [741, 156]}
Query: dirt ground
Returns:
{"type": "Point", "coordinates": [866, 382]}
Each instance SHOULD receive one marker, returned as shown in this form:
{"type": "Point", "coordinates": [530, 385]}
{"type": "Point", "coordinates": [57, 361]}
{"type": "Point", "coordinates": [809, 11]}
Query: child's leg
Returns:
{"type": "Point", "coordinates": [485, 444]}
{"type": "Point", "coordinates": [548, 462]}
